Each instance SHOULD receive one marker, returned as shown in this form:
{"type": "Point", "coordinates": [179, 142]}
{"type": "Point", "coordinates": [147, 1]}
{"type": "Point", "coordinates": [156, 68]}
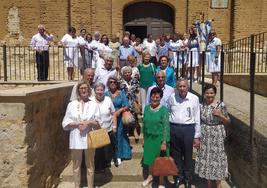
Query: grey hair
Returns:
{"type": "Point", "coordinates": [41, 26]}
{"type": "Point", "coordinates": [126, 68]}
{"type": "Point", "coordinates": [108, 57]}
{"type": "Point", "coordinates": [88, 70]}
{"type": "Point", "coordinates": [97, 33]}
{"type": "Point", "coordinates": [99, 85]}
{"type": "Point", "coordinates": [182, 80]}
{"type": "Point", "coordinates": [161, 72]}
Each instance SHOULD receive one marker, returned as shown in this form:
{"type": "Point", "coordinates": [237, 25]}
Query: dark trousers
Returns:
{"type": "Point", "coordinates": [42, 63]}
{"type": "Point", "coordinates": [182, 137]}
{"type": "Point", "coordinates": [104, 155]}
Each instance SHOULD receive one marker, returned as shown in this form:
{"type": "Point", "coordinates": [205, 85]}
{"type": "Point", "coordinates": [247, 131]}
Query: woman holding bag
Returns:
{"type": "Point", "coordinates": [120, 102]}
{"type": "Point", "coordinates": [78, 121]}
{"type": "Point", "coordinates": [211, 160]}
{"type": "Point", "coordinates": [156, 131]}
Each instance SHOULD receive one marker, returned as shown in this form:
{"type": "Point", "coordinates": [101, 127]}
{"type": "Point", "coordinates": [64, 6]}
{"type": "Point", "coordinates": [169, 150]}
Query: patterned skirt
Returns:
{"type": "Point", "coordinates": [211, 160]}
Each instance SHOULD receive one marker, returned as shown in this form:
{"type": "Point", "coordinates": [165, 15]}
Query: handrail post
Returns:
{"type": "Point", "coordinates": [191, 70]}
{"type": "Point", "coordinates": [203, 74]}
{"type": "Point", "coordinates": [222, 74]}
{"type": "Point", "coordinates": [5, 62]}
{"type": "Point", "coordinates": [252, 88]}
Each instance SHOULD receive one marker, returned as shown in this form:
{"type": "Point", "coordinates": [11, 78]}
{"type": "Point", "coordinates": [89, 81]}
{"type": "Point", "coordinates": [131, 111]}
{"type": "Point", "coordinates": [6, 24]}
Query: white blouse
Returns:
{"type": "Point", "coordinates": [74, 113]}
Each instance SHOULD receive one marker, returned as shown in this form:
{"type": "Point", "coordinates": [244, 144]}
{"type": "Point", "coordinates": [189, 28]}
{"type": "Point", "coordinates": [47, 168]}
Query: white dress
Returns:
{"type": "Point", "coordinates": [176, 47]}
{"type": "Point", "coordinates": [106, 50]}
{"type": "Point", "coordinates": [71, 52]}
{"type": "Point", "coordinates": [74, 113]}
{"type": "Point", "coordinates": [212, 65]}
{"type": "Point", "coordinates": [194, 50]}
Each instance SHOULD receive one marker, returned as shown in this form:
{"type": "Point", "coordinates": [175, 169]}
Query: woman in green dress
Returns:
{"type": "Point", "coordinates": [156, 131]}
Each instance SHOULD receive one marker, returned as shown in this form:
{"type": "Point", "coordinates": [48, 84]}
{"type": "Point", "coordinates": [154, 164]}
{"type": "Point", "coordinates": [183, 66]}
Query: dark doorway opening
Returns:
{"type": "Point", "coordinates": [139, 31]}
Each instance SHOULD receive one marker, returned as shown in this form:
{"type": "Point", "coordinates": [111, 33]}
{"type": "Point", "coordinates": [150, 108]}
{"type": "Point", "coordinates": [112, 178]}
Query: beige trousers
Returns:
{"type": "Point", "coordinates": [90, 166]}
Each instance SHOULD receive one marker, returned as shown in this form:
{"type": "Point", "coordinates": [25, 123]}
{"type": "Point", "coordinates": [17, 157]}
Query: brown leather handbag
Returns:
{"type": "Point", "coordinates": [164, 166]}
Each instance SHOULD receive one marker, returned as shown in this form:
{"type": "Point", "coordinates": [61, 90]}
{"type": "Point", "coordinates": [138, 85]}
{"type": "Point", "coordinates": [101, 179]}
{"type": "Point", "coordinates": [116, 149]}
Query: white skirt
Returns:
{"type": "Point", "coordinates": [195, 57]}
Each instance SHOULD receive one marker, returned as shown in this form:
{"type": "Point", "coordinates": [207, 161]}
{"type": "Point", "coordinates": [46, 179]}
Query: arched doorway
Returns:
{"type": "Point", "coordinates": [143, 18]}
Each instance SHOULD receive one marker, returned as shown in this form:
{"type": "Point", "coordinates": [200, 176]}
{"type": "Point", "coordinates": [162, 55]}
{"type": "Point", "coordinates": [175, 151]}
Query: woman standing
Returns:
{"type": "Point", "coordinates": [169, 71]}
{"type": "Point", "coordinates": [194, 52]}
{"type": "Point", "coordinates": [130, 86]}
{"type": "Point", "coordinates": [156, 130]}
{"type": "Point", "coordinates": [104, 50]}
{"type": "Point", "coordinates": [120, 102]}
{"type": "Point", "coordinates": [147, 76]}
{"type": "Point", "coordinates": [78, 121]}
{"type": "Point", "coordinates": [70, 42]}
{"type": "Point", "coordinates": [211, 161]}
{"type": "Point", "coordinates": [213, 57]}
{"type": "Point", "coordinates": [107, 120]}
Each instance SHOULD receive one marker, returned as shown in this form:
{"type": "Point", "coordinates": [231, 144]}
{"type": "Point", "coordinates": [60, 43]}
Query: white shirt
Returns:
{"type": "Point", "coordinates": [185, 111]}
{"type": "Point", "coordinates": [77, 138]}
{"type": "Point", "coordinates": [102, 75]}
{"type": "Point", "coordinates": [167, 91]}
{"type": "Point", "coordinates": [104, 109]}
{"type": "Point", "coordinates": [41, 43]}
{"type": "Point", "coordinates": [150, 47]}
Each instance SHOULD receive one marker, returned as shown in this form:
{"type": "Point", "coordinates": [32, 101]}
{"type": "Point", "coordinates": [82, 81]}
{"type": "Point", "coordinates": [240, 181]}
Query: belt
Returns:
{"type": "Point", "coordinates": [182, 125]}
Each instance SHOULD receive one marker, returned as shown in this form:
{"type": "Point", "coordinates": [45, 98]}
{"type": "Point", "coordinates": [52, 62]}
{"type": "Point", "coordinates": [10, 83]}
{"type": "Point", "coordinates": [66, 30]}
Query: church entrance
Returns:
{"type": "Point", "coordinates": [144, 18]}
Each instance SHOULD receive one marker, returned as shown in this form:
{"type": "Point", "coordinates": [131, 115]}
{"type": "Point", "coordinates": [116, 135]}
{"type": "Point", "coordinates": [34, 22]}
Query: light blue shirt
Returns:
{"type": "Point", "coordinates": [124, 52]}
{"type": "Point", "coordinates": [167, 91]}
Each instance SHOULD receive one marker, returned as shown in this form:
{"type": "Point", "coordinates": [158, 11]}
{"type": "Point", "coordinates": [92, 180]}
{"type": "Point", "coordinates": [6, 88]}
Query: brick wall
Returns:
{"type": "Point", "coordinates": [106, 16]}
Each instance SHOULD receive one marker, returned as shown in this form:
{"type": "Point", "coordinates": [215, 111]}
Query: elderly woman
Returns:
{"type": "Point", "coordinates": [156, 130]}
{"type": "Point", "coordinates": [130, 86]}
{"type": "Point", "coordinates": [108, 121]}
{"type": "Point", "coordinates": [120, 102]}
{"type": "Point", "coordinates": [147, 72]}
{"type": "Point", "coordinates": [169, 71]}
{"type": "Point", "coordinates": [211, 161]}
{"type": "Point", "coordinates": [78, 120]}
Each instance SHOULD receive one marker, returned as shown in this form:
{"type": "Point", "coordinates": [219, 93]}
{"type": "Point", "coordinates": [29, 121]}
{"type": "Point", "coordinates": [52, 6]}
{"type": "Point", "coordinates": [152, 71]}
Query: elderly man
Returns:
{"type": "Point", "coordinates": [40, 43]}
{"type": "Point", "coordinates": [88, 75]}
{"type": "Point", "coordinates": [103, 72]}
{"type": "Point", "coordinates": [124, 51]}
{"type": "Point", "coordinates": [161, 83]}
{"type": "Point", "coordinates": [184, 130]}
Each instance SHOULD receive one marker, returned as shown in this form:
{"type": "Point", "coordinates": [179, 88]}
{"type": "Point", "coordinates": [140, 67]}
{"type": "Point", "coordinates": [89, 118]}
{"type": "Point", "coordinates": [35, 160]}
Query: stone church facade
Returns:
{"type": "Point", "coordinates": [234, 20]}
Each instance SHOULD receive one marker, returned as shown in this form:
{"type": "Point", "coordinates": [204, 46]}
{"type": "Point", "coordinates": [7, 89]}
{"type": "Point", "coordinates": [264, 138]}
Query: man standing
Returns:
{"type": "Point", "coordinates": [184, 130]}
{"type": "Point", "coordinates": [88, 75]}
{"type": "Point", "coordinates": [103, 72]}
{"type": "Point", "coordinates": [161, 83]}
{"type": "Point", "coordinates": [124, 51]}
{"type": "Point", "coordinates": [40, 43]}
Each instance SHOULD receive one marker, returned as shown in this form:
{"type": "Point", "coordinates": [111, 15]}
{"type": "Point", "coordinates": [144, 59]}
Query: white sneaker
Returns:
{"type": "Point", "coordinates": [161, 186]}
{"type": "Point", "coordinates": [119, 161]}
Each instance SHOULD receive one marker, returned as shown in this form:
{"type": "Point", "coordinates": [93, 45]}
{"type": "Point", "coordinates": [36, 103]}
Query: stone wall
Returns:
{"type": "Point", "coordinates": [243, 82]}
{"type": "Point", "coordinates": [34, 147]}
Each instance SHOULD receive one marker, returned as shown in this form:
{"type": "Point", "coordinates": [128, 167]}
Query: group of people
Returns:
{"type": "Point", "coordinates": [173, 120]}
{"type": "Point", "coordinates": [183, 51]}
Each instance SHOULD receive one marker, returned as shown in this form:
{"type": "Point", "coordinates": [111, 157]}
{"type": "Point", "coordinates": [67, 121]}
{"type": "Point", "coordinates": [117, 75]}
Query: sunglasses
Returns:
{"type": "Point", "coordinates": [112, 82]}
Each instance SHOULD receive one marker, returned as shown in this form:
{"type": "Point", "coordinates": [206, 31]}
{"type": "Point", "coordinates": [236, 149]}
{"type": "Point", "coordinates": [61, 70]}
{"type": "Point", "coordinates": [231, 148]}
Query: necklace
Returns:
{"type": "Point", "coordinates": [155, 109]}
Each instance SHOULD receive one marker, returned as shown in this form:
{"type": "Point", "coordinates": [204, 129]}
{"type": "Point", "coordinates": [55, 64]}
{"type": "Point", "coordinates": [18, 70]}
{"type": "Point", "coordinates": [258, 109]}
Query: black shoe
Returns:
{"type": "Point", "coordinates": [177, 183]}
{"type": "Point", "coordinates": [116, 163]}
{"type": "Point", "coordinates": [187, 184]}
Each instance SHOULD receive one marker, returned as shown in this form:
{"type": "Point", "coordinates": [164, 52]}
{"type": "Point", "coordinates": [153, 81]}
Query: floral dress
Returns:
{"type": "Point", "coordinates": [211, 160]}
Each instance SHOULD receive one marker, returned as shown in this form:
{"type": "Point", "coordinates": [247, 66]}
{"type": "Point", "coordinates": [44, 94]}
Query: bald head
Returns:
{"type": "Point", "coordinates": [88, 75]}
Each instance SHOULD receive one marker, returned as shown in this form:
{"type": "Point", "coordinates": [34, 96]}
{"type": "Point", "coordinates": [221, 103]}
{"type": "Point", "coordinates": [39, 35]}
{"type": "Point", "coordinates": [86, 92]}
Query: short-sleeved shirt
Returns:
{"type": "Point", "coordinates": [125, 51]}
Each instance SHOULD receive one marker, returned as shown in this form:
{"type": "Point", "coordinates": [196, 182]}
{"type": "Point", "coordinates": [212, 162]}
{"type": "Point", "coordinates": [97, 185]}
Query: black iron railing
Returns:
{"type": "Point", "coordinates": [237, 54]}
{"type": "Point", "coordinates": [19, 63]}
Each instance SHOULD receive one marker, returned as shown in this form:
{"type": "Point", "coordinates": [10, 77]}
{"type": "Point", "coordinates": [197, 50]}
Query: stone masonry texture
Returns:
{"type": "Point", "coordinates": [244, 16]}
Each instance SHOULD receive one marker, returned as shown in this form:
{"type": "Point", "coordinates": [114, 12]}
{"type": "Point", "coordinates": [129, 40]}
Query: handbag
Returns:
{"type": "Point", "coordinates": [164, 166]}
{"type": "Point", "coordinates": [127, 118]}
{"type": "Point", "coordinates": [98, 138]}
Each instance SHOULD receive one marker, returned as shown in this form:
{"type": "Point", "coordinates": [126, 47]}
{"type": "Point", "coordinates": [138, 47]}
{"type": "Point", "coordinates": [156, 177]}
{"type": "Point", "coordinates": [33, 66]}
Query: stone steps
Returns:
{"type": "Point", "coordinates": [127, 175]}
